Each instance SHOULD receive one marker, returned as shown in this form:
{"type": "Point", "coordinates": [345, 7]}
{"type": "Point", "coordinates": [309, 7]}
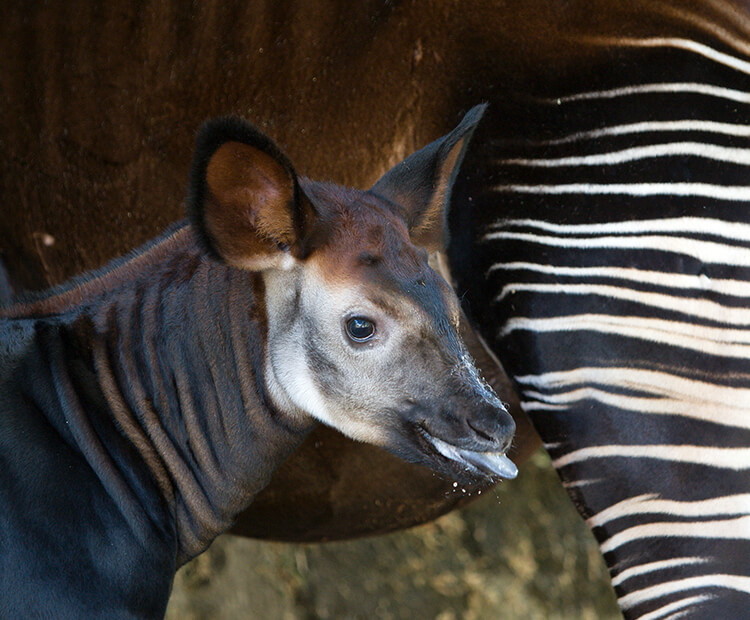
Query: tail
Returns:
{"type": "Point", "coordinates": [6, 290]}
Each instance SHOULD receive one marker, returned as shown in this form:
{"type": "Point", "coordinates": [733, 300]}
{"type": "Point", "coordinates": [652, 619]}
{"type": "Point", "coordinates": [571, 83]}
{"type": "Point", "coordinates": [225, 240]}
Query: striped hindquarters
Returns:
{"type": "Point", "coordinates": [611, 271]}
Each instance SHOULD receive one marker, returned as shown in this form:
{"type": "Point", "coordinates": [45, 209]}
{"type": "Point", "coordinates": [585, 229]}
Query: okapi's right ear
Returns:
{"type": "Point", "coordinates": [244, 199]}
{"type": "Point", "coordinates": [421, 184]}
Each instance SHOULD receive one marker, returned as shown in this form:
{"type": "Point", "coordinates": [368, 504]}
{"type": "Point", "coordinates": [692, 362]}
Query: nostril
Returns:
{"type": "Point", "coordinates": [483, 434]}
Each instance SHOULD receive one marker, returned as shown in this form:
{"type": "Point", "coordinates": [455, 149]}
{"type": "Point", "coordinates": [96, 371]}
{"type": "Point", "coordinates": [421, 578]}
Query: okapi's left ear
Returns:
{"type": "Point", "coordinates": [244, 200]}
{"type": "Point", "coordinates": [421, 184]}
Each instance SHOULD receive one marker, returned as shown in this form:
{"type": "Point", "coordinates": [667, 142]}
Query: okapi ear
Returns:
{"type": "Point", "coordinates": [244, 199]}
{"type": "Point", "coordinates": [421, 184]}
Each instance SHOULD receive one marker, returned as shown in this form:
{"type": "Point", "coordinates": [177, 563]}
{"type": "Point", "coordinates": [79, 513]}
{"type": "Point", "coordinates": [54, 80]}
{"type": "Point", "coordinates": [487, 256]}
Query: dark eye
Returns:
{"type": "Point", "coordinates": [360, 329]}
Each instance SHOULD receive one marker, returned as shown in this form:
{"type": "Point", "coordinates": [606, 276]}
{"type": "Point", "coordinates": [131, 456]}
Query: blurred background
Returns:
{"type": "Point", "coordinates": [520, 551]}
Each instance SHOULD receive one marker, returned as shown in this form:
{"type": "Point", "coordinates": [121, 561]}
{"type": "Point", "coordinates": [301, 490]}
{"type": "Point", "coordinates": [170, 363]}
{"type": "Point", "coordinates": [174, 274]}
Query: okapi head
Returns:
{"type": "Point", "coordinates": [361, 333]}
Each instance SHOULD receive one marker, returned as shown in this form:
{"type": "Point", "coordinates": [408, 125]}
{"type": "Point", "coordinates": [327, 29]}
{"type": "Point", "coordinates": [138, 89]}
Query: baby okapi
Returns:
{"type": "Point", "coordinates": [142, 407]}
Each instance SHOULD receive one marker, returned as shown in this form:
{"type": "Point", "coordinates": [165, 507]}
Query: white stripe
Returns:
{"type": "Point", "coordinates": [726, 529]}
{"type": "Point", "coordinates": [706, 411]}
{"type": "Point", "coordinates": [732, 582]}
{"type": "Point", "coordinates": [727, 129]}
{"type": "Point", "coordinates": [656, 88]}
{"type": "Point", "coordinates": [652, 381]}
{"type": "Point", "coordinates": [532, 406]}
{"type": "Point", "coordinates": [678, 43]}
{"type": "Point", "coordinates": [709, 252]}
{"type": "Point", "coordinates": [726, 154]}
{"type": "Point", "coordinates": [539, 406]}
{"type": "Point", "coordinates": [691, 306]}
{"type": "Point", "coordinates": [651, 504]}
{"type": "Point", "coordinates": [734, 288]}
{"type": "Point", "coordinates": [688, 225]}
{"type": "Point", "coordinates": [660, 384]}
{"type": "Point", "coordinates": [645, 569]}
{"type": "Point", "coordinates": [573, 484]}
{"type": "Point", "coordinates": [706, 340]}
{"type": "Point", "coordinates": [691, 601]}
{"type": "Point", "coordinates": [703, 190]}
{"type": "Point", "coordinates": [736, 459]}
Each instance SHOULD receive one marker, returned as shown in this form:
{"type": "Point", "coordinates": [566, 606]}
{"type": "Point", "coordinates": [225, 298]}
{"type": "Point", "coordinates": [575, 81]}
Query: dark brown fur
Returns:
{"type": "Point", "coordinates": [97, 98]}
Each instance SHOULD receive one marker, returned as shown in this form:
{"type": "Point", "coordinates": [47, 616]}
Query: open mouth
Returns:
{"type": "Point", "coordinates": [493, 463]}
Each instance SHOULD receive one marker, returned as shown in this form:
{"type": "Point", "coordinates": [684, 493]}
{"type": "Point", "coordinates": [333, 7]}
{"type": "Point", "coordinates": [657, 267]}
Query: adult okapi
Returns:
{"type": "Point", "coordinates": [598, 236]}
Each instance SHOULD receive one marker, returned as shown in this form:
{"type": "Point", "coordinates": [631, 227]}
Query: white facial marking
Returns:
{"type": "Point", "coordinates": [289, 371]}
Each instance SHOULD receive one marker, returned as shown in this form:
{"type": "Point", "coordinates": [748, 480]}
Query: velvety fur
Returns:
{"type": "Point", "coordinates": [143, 406]}
{"type": "Point", "coordinates": [114, 470]}
{"type": "Point", "coordinates": [213, 135]}
{"type": "Point", "coordinates": [100, 104]}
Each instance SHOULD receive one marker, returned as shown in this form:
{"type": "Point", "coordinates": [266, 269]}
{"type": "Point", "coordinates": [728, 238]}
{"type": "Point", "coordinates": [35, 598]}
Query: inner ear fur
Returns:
{"type": "Point", "coordinates": [244, 199]}
{"type": "Point", "coordinates": [421, 184]}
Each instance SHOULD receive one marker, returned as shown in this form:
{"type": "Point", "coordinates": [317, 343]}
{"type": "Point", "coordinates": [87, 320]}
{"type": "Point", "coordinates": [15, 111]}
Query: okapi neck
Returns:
{"type": "Point", "coordinates": [168, 376]}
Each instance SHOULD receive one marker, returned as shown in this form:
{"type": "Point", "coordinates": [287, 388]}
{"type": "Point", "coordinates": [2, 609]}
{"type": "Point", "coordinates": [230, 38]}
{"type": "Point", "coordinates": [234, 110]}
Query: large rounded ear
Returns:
{"type": "Point", "coordinates": [244, 199]}
{"type": "Point", "coordinates": [421, 184]}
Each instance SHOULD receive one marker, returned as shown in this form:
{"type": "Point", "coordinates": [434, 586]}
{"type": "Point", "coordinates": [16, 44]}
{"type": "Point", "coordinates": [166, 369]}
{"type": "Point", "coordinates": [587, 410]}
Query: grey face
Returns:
{"type": "Point", "coordinates": [362, 334]}
{"type": "Point", "coordinates": [366, 341]}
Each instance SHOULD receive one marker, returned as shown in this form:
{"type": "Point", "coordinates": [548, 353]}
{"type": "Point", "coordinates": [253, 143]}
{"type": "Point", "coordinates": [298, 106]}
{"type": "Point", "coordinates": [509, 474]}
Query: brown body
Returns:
{"type": "Point", "coordinates": [96, 104]}
{"type": "Point", "coordinates": [96, 101]}
{"type": "Point", "coordinates": [99, 102]}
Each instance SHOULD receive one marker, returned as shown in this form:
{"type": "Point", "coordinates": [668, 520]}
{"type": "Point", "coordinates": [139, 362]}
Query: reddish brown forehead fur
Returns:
{"type": "Point", "coordinates": [361, 230]}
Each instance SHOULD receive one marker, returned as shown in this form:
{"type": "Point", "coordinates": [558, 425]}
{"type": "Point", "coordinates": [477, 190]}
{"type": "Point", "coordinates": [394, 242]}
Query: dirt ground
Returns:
{"type": "Point", "coordinates": [520, 552]}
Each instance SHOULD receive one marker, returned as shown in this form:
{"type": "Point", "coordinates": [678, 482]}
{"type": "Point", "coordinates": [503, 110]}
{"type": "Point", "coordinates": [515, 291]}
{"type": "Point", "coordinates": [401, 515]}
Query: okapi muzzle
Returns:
{"type": "Point", "coordinates": [158, 395]}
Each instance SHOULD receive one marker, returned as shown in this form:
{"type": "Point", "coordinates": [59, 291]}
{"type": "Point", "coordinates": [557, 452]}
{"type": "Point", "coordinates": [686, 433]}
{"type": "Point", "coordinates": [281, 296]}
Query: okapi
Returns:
{"type": "Point", "coordinates": [143, 406]}
{"type": "Point", "coordinates": [593, 105]}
